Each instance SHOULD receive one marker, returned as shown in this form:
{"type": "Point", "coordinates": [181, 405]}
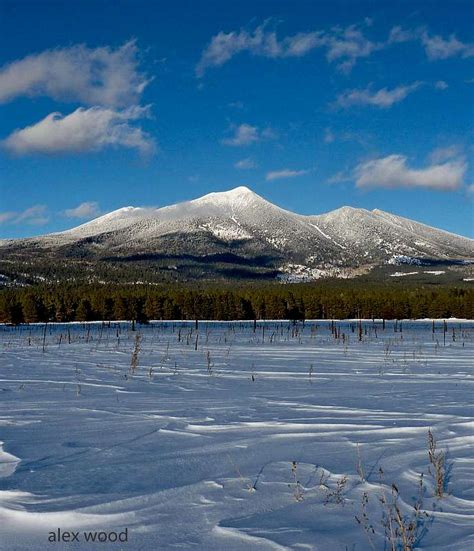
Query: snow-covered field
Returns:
{"type": "Point", "coordinates": [225, 438]}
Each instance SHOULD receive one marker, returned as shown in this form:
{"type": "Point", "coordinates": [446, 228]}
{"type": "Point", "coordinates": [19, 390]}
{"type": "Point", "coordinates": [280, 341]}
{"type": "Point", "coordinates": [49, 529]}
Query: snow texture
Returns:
{"type": "Point", "coordinates": [194, 448]}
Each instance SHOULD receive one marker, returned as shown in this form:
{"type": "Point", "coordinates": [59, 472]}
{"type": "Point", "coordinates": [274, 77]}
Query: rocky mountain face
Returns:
{"type": "Point", "coordinates": [240, 228]}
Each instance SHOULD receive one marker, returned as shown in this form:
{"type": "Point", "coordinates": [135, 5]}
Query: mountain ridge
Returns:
{"type": "Point", "coordinates": [217, 196]}
{"type": "Point", "coordinates": [241, 226]}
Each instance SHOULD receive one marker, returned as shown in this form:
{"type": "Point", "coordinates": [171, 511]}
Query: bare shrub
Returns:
{"type": "Point", "coordinates": [210, 365]}
{"type": "Point", "coordinates": [245, 481]}
{"type": "Point", "coordinates": [360, 466]}
{"type": "Point", "coordinates": [336, 495]}
{"type": "Point", "coordinates": [438, 463]}
{"type": "Point", "coordinates": [295, 484]}
{"type": "Point", "coordinates": [135, 353]}
{"type": "Point", "coordinates": [401, 531]}
{"type": "Point", "coordinates": [364, 520]}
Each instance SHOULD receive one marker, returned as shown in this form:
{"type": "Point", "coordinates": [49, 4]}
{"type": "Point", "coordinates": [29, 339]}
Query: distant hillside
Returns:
{"type": "Point", "coordinates": [237, 235]}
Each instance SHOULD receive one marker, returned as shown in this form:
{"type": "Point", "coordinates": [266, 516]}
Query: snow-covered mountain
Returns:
{"type": "Point", "coordinates": [240, 226]}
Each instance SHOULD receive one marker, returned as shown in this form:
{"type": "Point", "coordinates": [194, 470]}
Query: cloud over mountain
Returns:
{"type": "Point", "coordinates": [37, 215]}
{"type": "Point", "coordinates": [88, 209]}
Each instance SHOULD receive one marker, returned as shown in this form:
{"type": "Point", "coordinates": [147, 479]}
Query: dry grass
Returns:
{"type": "Point", "coordinates": [438, 464]}
{"type": "Point", "coordinates": [295, 484]}
{"type": "Point", "coordinates": [401, 530]}
{"type": "Point", "coordinates": [135, 353]}
{"type": "Point", "coordinates": [336, 495]}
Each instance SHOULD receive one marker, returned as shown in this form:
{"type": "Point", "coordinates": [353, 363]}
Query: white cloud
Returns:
{"type": "Point", "coordinates": [301, 43]}
{"type": "Point", "coordinates": [441, 85]}
{"type": "Point", "coordinates": [246, 134]}
{"type": "Point", "coordinates": [399, 34]}
{"type": "Point", "coordinates": [393, 172]}
{"type": "Point", "coordinates": [470, 189]}
{"type": "Point", "coordinates": [99, 76]}
{"type": "Point", "coordinates": [442, 154]}
{"type": "Point", "coordinates": [383, 98]}
{"type": "Point", "coordinates": [83, 130]}
{"type": "Point", "coordinates": [437, 47]}
{"type": "Point", "coordinates": [345, 45]}
{"type": "Point", "coordinates": [260, 42]}
{"type": "Point", "coordinates": [246, 164]}
{"type": "Point", "coordinates": [285, 173]}
{"type": "Point", "coordinates": [224, 46]}
{"type": "Point", "coordinates": [340, 177]}
{"type": "Point", "coordinates": [348, 45]}
{"type": "Point", "coordinates": [35, 216]}
{"type": "Point", "coordinates": [88, 209]}
{"type": "Point", "coordinates": [7, 216]}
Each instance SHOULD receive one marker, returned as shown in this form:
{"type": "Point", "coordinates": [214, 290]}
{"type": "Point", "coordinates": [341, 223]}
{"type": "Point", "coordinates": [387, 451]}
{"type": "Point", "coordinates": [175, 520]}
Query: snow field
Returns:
{"type": "Point", "coordinates": [226, 438]}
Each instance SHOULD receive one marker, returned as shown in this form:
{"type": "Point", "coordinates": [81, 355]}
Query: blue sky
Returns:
{"type": "Point", "coordinates": [313, 105]}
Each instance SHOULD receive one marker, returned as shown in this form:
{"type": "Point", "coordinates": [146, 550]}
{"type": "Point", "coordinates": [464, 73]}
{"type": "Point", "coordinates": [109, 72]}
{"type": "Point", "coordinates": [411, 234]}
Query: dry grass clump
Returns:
{"type": "Point", "coordinates": [401, 531]}
{"type": "Point", "coordinates": [438, 464]}
{"type": "Point", "coordinates": [135, 353]}
{"type": "Point", "coordinates": [295, 485]}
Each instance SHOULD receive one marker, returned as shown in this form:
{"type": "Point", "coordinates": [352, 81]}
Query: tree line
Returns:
{"type": "Point", "coordinates": [66, 302]}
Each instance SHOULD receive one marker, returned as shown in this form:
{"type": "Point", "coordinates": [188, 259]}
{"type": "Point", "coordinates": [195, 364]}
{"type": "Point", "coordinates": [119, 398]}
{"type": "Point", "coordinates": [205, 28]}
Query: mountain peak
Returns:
{"type": "Point", "coordinates": [240, 195]}
{"type": "Point", "coordinates": [240, 190]}
{"type": "Point", "coordinates": [235, 193]}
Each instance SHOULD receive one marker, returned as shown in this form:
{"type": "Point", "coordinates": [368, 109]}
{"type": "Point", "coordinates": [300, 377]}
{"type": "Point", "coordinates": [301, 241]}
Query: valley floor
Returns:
{"type": "Point", "coordinates": [229, 438]}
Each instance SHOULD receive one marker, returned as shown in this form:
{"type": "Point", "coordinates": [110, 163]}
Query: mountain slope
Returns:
{"type": "Point", "coordinates": [239, 227]}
